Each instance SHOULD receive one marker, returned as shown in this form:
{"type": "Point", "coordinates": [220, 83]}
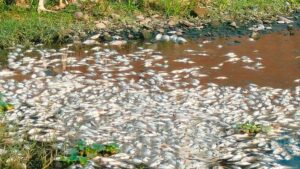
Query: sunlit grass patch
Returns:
{"type": "Point", "coordinates": [252, 128]}
{"type": "Point", "coordinates": [250, 9]}
{"type": "Point", "coordinates": [25, 26]}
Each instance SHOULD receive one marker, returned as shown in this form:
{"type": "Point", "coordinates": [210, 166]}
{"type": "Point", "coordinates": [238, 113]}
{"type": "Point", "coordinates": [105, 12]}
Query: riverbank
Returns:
{"type": "Point", "coordinates": [131, 20]}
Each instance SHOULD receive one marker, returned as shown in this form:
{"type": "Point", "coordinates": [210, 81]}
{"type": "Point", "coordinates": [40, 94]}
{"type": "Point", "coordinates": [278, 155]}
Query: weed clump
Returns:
{"type": "Point", "coordinates": [4, 106]}
{"type": "Point", "coordinates": [252, 128]}
{"type": "Point", "coordinates": [82, 152]}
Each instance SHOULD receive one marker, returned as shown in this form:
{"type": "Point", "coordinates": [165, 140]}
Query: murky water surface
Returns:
{"type": "Point", "coordinates": [273, 61]}
{"type": "Point", "coordinates": [169, 105]}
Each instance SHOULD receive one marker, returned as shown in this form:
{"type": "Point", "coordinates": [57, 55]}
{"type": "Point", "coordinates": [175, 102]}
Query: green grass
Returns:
{"type": "Point", "coordinates": [250, 9]}
{"type": "Point", "coordinates": [25, 26]}
{"type": "Point", "coordinates": [176, 7]}
{"type": "Point", "coordinates": [252, 128]}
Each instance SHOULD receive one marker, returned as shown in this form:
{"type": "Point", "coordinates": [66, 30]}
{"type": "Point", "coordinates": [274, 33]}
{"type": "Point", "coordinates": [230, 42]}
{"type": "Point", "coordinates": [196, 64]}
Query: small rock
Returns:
{"type": "Point", "coordinates": [94, 37]}
{"type": "Point", "coordinates": [181, 40]}
{"type": "Point", "coordinates": [100, 25]}
{"type": "Point", "coordinates": [78, 15]}
{"type": "Point", "coordinates": [199, 11]}
{"type": "Point", "coordinates": [118, 42]}
{"type": "Point", "coordinates": [161, 30]}
{"type": "Point", "coordinates": [165, 38]}
{"type": "Point", "coordinates": [187, 23]}
{"type": "Point", "coordinates": [233, 24]}
{"type": "Point", "coordinates": [172, 23]}
{"type": "Point", "coordinates": [158, 37]}
{"type": "Point", "coordinates": [284, 20]}
{"type": "Point", "coordinates": [174, 38]}
{"type": "Point", "coordinates": [90, 42]}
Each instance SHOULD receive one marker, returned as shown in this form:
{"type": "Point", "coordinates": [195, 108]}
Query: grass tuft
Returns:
{"type": "Point", "coordinates": [24, 26]}
{"type": "Point", "coordinates": [252, 128]}
{"type": "Point", "coordinates": [81, 152]}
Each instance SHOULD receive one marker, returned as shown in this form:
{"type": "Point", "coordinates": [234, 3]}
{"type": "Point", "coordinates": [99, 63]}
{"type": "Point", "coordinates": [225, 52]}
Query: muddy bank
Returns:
{"type": "Point", "coordinates": [148, 27]}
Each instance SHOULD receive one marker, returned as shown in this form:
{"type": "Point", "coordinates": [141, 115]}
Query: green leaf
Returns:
{"type": "Point", "coordinates": [97, 147]}
{"type": "Point", "coordinates": [73, 151]}
{"type": "Point", "coordinates": [80, 144]}
{"type": "Point", "coordinates": [111, 148]}
{"type": "Point", "coordinates": [91, 154]}
{"type": "Point", "coordinates": [82, 160]}
{"type": "Point", "coordinates": [73, 158]}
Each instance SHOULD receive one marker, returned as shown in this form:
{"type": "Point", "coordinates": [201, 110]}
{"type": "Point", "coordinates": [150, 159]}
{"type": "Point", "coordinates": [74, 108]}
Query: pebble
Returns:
{"type": "Point", "coordinates": [165, 38]}
{"type": "Point", "coordinates": [90, 42]}
{"type": "Point", "coordinates": [158, 37]}
{"type": "Point", "coordinates": [118, 42]}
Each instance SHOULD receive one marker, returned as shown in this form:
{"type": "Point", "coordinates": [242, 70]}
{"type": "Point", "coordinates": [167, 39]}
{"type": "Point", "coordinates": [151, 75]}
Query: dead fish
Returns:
{"type": "Point", "coordinates": [157, 57]}
{"type": "Point", "coordinates": [202, 75]}
{"type": "Point", "coordinates": [221, 78]}
{"type": "Point", "coordinates": [297, 81]}
{"type": "Point", "coordinates": [231, 55]}
{"type": "Point", "coordinates": [202, 54]}
{"type": "Point", "coordinates": [215, 68]}
{"type": "Point", "coordinates": [189, 50]}
{"type": "Point", "coordinates": [206, 41]}
{"type": "Point", "coordinates": [233, 60]}
{"type": "Point", "coordinates": [184, 60]}
{"type": "Point", "coordinates": [118, 42]}
{"type": "Point", "coordinates": [97, 48]}
{"type": "Point", "coordinates": [249, 67]}
{"type": "Point", "coordinates": [5, 73]}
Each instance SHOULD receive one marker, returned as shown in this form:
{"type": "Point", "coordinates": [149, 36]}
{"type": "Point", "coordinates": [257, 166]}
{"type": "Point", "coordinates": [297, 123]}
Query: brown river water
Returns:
{"type": "Point", "coordinates": [273, 60]}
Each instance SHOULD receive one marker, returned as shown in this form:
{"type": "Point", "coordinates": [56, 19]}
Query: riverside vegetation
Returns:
{"type": "Point", "coordinates": [24, 25]}
{"type": "Point", "coordinates": [19, 153]}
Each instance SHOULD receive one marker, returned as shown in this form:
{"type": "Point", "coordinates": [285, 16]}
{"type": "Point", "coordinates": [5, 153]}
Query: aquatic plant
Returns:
{"type": "Point", "coordinates": [81, 152]}
{"type": "Point", "coordinates": [252, 128]}
{"type": "Point", "coordinates": [4, 106]}
{"type": "Point", "coordinates": [142, 166]}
